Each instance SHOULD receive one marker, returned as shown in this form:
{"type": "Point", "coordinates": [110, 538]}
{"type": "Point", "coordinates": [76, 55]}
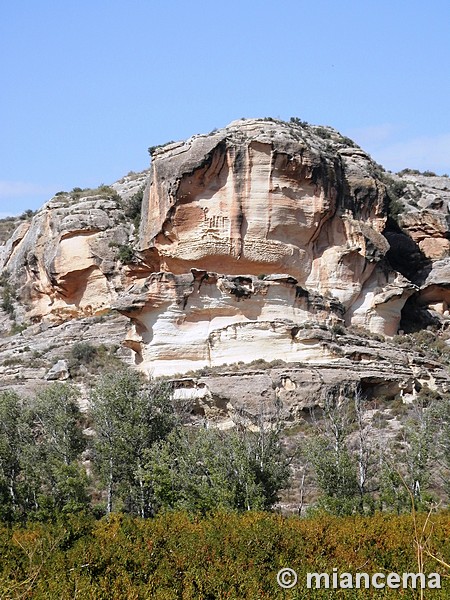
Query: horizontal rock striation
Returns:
{"type": "Point", "coordinates": [64, 262]}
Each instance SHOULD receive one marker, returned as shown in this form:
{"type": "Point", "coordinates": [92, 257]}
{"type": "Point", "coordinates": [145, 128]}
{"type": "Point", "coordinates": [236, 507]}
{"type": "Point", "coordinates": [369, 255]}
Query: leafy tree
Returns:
{"type": "Point", "coordinates": [393, 495]}
{"type": "Point", "coordinates": [128, 416]}
{"type": "Point", "coordinates": [336, 477]}
{"type": "Point", "coordinates": [12, 436]}
{"type": "Point", "coordinates": [204, 469]}
{"type": "Point", "coordinates": [341, 475]}
{"type": "Point", "coordinates": [56, 480]}
{"type": "Point", "coordinates": [56, 424]}
{"type": "Point", "coordinates": [39, 449]}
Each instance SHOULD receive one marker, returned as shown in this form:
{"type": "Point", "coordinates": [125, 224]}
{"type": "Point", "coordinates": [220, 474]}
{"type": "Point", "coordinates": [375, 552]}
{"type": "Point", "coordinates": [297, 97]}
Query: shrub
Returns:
{"type": "Point", "coordinates": [299, 122]}
{"type": "Point", "coordinates": [322, 132]}
{"type": "Point", "coordinates": [83, 353]}
{"type": "Point", "coordinates": [134, 206]}
{"type": "Point", "coordinates": [125, 253]}
{"type": "Point", "coordinates": [94, 358]}
{"type": "Point", "coordinates": [101, 190]}
{"type": "Point", "coordinates": [152, 149]}
{"type": "Point", "coordinates": [17, 328]}
{"type": "Point", "coordinates": [223, 555]}
{"type": "Point", "coordinates": [8, 295]}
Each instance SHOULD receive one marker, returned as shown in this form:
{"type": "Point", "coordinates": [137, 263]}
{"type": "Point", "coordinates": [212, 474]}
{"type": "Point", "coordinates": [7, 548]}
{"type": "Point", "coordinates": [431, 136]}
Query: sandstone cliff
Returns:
{"type": "Point", "coordinates": [259, 241]}
{"type": "Point", "coordinates": [254, 230]}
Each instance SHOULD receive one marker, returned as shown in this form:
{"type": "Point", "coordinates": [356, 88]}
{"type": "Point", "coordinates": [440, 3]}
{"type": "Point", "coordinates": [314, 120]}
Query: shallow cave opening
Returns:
{"type": "Point", "coordinates": [416, 317]}
{"type": "Point", "coordinates": [404, 255]}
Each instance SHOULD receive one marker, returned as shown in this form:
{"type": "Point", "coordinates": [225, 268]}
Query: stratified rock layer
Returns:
{"type": "Point", "coordinates": [64, 262]}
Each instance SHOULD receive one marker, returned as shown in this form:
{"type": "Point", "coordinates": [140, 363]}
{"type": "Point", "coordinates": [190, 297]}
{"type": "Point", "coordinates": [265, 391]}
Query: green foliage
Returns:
{"type": "Point", "coordinates": [27, 214]}
{"type": "Point", "coordinates": [206, 469]}
{"type": "Point", "coordinates": [394, 191]}
{"type": "Point", "coordinates": [299, 122]}
{"type": "Point", "coordinates": [322, 132]}
{"type": "Point", "coordinates": [17, 328]}
{"type": "Point", "coordinates": [152, 149]}
{"type": "Point", "coordinates": [409, 172]}
{"type": "Point", "coordinates": [83, 353]}
{"type": "Point", "coordinates": [134, 207]}
{"type": "Point", "coordinates": [94, 359]}
{"type": "Point", "coordinates": [336, 477]}
{"type": "Point", "coordinates": [427, 343]}
{"type": "Point", "coordinates": [8, 295]}
{"type": "Point", "coordinates": [55, 419]}
{"type": "Point", "coordinates": [102, 190]}
{"type": "Point", "coordinates": [394, 494]}
{"type": "Point", "coordinates": [39, 446]}
{"type": "Point", "coordinates": [347, 141]}
{"type": "Point", "coordinates": [221, 556]}
{"type": "Point", "coordinates": [128, 416]}
{"type": "Point", "coordinates": [125, 253]}
{"type": "Point", "coordinates": [10, 440]}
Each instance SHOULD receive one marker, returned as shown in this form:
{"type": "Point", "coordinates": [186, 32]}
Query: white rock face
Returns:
{"type": "Point", "coordinates": [59, 371]}
{"type": "Point", "coordinates": [200, 319]}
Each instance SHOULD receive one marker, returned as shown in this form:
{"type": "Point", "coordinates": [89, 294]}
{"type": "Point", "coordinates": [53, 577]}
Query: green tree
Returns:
{"type": "Point", "coordinates": [128, 416]}
{"type": "Point", "coordinates": [336, 477]}
{"type": "Point", "coordinates": [40, 446]}
{"type": "Point", "coordinates": [12, 436]}
{"type": "Point", "coordinates": [340, 474]}
{"type": "Point", "coordinates": [204, 469]}
{"type": "Point", "coordinates": [56, 424]}
{"type": "Point", "coordinates": [51, 467]}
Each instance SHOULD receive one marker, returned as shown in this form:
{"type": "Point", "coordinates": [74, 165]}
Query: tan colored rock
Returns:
{"type": "Point", "coordinates": [264, 197]}
{"type": "Point", "coordinates": [257, 199]}
{"type": "Point", "coordinates": [435, 248]}
{"type": "Point", "coordinates": [248, 235]}
{"type": "Point", "coordinates": [64, 263]}
{"type": "Point", "coordinates": [385, 371]}
{"type": "Point", "coordinates": [426, 216]}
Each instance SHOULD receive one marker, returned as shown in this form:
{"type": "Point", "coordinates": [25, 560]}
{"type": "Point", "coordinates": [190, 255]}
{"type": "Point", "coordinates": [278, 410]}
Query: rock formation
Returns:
{"type": "Point", "coordinates": [64, 261]}
{"type": "Point", "coordinates": [259, 241]}
{"type": "Point", "coordinates": [254, 230]}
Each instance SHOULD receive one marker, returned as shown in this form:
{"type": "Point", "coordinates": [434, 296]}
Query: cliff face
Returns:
{"type": "Point", "coordinates": [255, 242]}
{"type": "Point", "coordinates": [63, 262]}
{"type": "Point", "coordinates": [249, 224]}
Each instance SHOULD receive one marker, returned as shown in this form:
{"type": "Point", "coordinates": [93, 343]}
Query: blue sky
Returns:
{"type": "Point", "coordinates": [87, 86]}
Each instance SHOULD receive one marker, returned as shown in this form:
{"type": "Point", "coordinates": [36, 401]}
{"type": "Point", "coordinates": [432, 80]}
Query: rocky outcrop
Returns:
{"type": "Point", "coordinates": [425, 228]}
{"type": "Point", "coordinates": [64, 262]}
{"type": "Point", "coordinates": [185, 322]}
{"type": "Point", "coordinates": [257, 199]}
{"type": "Point", "coordinates": [42, 352]}
{"type": "Point", "coordinates": [256, 241]}
{"type": "Point", "coordinates": [289, 392]}
{"type": "Point", "coordinates": [264, 197]}
{"type": "Point", "coordinates": [426, 217]}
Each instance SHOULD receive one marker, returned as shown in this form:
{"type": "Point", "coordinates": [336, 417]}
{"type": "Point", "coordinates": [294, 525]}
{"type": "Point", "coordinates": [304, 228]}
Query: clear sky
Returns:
{"type": "Point", "coordinates": [88, 86]}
